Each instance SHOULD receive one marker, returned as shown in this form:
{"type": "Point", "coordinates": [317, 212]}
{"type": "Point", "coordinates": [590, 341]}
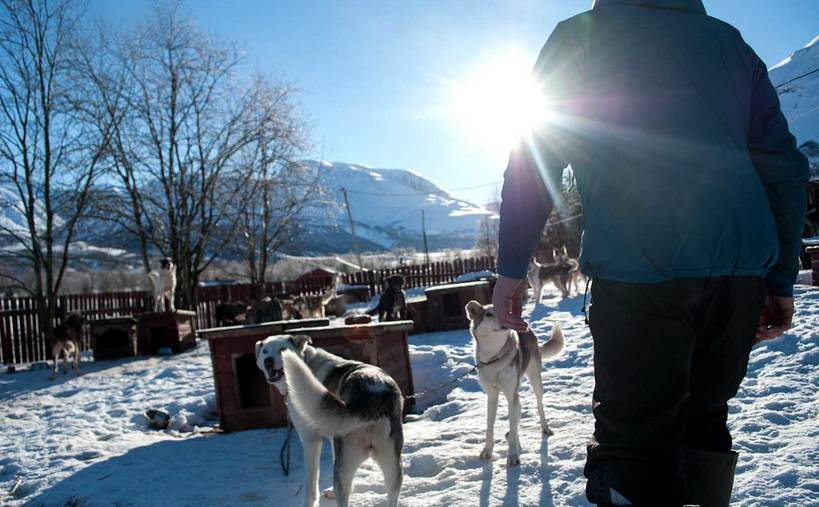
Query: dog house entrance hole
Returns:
{"type": "Point", "coordinates": [253, 389]}
{"type": "Point", "coordinates": [114, 340]}
{"type": "Point", "coordinates": [452, 304]}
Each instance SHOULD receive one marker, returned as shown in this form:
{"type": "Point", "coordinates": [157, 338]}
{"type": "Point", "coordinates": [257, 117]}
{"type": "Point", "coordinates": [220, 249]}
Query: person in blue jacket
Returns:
{"type": "Point", "coordinates": [693, 195]}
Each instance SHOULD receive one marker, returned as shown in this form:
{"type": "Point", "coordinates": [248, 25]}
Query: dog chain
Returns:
{"type": "Point", "coordinates": [445, 384]}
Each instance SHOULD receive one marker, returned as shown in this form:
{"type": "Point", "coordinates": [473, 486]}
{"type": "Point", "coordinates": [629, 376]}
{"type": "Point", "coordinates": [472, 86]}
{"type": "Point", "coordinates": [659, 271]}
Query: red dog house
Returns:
{"type": "Point", "coordinates": [243, 397]}
{"type": "Point", "coordinates": [245, 400]}
{"type": "Point", "coordinates": [445, 304]}
{"type": "Point", "coordinates": [114, 338]}
{"type": "Point", "coordinates": [173, 330]}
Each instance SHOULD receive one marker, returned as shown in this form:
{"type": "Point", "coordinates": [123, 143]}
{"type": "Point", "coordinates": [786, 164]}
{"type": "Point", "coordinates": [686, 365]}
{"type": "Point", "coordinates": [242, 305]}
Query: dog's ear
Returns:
{"type": "Point", "coordinates": [474, 310]}
{"type": "Point", "coordinates": [259, 346]}
{"type": "Point", "coordinates": [300, 341]}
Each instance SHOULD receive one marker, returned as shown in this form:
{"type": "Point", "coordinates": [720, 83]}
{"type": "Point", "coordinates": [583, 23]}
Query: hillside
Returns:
{"type": "Point", "coordinates": [796, 78]}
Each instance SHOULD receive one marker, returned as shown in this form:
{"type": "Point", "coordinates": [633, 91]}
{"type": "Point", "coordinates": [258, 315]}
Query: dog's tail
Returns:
{"type": "Point", "coordinates": [322, 411]}
{"type": "Point", "coordinates": [555, 344]}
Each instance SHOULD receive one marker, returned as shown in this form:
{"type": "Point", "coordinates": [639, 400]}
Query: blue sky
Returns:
{"type": "Point", "coordinates": [375, 73]}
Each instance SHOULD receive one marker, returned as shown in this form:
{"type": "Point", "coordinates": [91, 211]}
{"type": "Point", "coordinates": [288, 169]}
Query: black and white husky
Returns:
{"type": "Point", "coordinates": [356, 404]}
{"type": "Point", "coordinates": [503, 356]}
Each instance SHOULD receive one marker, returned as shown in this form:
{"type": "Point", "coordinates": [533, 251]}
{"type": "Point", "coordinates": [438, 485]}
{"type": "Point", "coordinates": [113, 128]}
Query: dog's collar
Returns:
{"type": "Point", "coordinates": [500, 355]}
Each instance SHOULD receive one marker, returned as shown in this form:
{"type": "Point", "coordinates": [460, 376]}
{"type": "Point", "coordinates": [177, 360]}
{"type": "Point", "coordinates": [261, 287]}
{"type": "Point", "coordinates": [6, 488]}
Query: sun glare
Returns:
{"type": "Point", "coordinates": [499, 102]}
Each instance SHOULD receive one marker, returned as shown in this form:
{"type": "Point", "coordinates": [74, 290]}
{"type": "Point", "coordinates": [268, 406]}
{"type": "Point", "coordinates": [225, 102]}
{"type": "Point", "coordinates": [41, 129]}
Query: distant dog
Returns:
{"type": "Point", "coordinates": [307, 307]}
{"type": "Point", "coordinates": [231, 314]}
{"type": "Point", "coordinates": [356, 404]}
{"type": "Point", "coordinates": [574, 276]}
{"type": "Point", "coordinates": [392, 305]}
{"type": "Point", "coordinates": [163, 284]}
{"type": "Point", "coordinates": [503, 356]}
{"type": "Point", "coordinates": [268, 309]}
{"type": "Point", "coordinates": [560, 273]}
{"type": "Point", "coordinates": [66, 340]}
{"type": "Point", "coordinates": [332, 303]}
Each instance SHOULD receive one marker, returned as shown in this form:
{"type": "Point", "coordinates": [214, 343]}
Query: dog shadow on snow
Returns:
{"type": "Point", "coordinates": [237, 468]}
{"type": "Point", "coordinates": [510, 498]}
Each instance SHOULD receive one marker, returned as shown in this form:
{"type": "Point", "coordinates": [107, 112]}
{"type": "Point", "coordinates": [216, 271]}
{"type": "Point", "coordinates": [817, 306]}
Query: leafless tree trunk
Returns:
{"type": "Point", "coordinates": [49, 154]}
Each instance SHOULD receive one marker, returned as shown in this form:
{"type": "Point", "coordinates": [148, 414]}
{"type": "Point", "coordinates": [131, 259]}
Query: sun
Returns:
{"type": "Point", "coordinates": [499, 102]}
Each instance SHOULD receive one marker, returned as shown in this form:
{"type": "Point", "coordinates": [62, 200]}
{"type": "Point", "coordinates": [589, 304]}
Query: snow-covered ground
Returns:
{"type": "Point", "coordinates": [83, 442]}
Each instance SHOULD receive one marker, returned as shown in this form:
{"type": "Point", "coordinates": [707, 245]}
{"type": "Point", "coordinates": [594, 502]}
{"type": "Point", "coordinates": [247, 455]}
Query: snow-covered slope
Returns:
{"type": "Point", "coordinates": [797, 81]}
{"type": "Point", "coordinates": [386, 205]}
{"type": "Point", "coordinates": [83, 441]}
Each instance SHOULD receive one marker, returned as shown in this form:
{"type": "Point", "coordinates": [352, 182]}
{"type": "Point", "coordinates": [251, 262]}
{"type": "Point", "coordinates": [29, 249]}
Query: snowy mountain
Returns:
{"type": "Point", "coordinates": [796, 78]}
{"type": "Point", "coordinates": [386, 206]}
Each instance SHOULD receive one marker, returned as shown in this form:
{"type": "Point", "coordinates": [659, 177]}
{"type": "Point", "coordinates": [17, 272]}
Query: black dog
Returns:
{"type": "Point", "coordinates": [228, 314]}
{"type": "Point", "coordinates": [393, 302]}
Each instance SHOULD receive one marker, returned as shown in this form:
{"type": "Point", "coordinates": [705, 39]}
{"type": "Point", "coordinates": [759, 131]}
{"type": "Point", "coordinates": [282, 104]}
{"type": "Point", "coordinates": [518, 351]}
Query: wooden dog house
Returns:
{"type": "Point", "coordinates": [243, 397]}
{"type": "Point", "coordinates": [113, 338]}
{"type": "Point", "coordinates": [445, 304]}
{"type": "Point", "coordinates": [417, 312]}
{"type": "Point", "coordinates": [245, 400]}
{"type": "Point", "coordinates": [173, 330]}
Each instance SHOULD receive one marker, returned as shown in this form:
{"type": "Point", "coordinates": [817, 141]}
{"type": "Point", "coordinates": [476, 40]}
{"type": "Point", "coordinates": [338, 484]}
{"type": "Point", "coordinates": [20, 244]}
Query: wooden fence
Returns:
{"type": "Point", "coordinates": [21, 340]}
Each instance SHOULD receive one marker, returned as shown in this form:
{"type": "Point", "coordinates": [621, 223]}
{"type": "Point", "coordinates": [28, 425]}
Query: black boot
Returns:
{"type": "Point", "coordinates": [709, 477]}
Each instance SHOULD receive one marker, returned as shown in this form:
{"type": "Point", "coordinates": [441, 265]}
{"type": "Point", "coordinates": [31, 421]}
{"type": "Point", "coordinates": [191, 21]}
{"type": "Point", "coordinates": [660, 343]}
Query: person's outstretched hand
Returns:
{"type": "Point", "coordinates": [507, 298]}
{"type": "Point", "coordinates": [777, 317]}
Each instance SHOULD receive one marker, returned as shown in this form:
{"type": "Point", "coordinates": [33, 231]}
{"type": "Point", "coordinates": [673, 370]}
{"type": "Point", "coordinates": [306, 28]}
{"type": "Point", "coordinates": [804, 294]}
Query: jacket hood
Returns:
{"type": "Point", "coordinates": [683, 5]}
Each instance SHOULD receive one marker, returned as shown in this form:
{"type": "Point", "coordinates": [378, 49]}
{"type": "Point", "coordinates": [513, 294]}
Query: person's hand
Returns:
{"type": "Point", "coordinates": [507, 298]}
{"type": "Point", "coordinates": [777, 317]}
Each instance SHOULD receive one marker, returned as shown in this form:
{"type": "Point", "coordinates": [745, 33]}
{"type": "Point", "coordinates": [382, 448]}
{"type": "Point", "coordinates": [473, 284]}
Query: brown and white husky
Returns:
{"type": "Point", "coordinates": [503, 356]}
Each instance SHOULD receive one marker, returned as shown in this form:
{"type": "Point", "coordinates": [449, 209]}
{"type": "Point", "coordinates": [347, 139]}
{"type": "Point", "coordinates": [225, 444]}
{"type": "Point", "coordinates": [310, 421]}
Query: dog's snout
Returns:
{"type": "Point", "coordinates": [268, 362]}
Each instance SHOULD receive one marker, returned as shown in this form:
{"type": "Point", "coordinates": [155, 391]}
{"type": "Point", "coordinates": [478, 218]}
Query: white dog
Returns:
{"type": "Point", "coordinates": [356, 404]}
{"type": "Point", "coordinates": [163, 284]}
{"type": "Point", "coordinates": [503, 356]}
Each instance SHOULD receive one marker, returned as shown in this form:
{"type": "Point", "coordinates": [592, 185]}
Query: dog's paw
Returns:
{"type": "Point", "coordinates": [328, 493]}
{"type": "Point", "coordinates": [486, 454]}
{"type": "Point", "coordinates": [513, 460]}
{"type": "Point", "coordinates": [548, 431]}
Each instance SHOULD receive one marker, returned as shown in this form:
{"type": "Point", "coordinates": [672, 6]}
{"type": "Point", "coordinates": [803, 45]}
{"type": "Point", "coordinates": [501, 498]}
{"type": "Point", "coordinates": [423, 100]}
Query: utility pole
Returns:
{"type": "Point", "coordinates": [352, 227]}
{"type": "Point", "coordinates": [424, 232]}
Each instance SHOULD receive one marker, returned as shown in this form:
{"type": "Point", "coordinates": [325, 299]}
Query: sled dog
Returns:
{"type": "Point", "coordinates": [163, 284]}
{"type": "Point", "coordinates": [503, 356]}
{"type": "Point", "coordinates": [66, 340]}
{"type": "Point", "coordinates": [358, 405]}
{"type": "Point", "coordinates": [560, 274]}
{"type": "Point", "coordinates": [392, 305]}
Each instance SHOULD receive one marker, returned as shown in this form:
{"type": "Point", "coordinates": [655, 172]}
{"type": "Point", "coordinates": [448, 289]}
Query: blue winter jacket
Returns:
{"type": "Point", "coordinates": [683, 159]}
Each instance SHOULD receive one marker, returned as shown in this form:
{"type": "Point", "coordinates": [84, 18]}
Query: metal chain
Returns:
{"type": "Point", "coordinates": [445, 384]}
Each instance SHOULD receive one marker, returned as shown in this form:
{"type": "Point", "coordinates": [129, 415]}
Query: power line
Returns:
{"type": "Point", "coordinates": [780, 85]}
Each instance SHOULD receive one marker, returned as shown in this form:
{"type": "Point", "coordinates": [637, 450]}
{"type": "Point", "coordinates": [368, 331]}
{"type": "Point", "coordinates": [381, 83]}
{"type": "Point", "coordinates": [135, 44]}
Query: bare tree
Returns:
{"type": "Point", "coordinates": [283, 186]}
{"type": "Point", "coordinates": [183, 127]}
{"type": "Point", "coordinates": [49, 154]}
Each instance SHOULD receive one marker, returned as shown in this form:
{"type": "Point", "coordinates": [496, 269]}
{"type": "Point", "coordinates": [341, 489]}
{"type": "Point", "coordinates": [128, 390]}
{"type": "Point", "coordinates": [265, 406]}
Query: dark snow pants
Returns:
{"type": "Point", "coordinates": [667, 358]}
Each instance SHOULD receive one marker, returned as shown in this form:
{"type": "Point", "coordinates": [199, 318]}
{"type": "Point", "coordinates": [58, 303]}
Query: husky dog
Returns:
{"type": "Point", "coordinates": [356, 404]}
{"type": "Point", "coordinates": [503, 356]}
{"type": "Point", "coordinates": [560, 273]}
{"type": "Point", "coordinates": [332, 303]}
{"type": "Point", "coordinates": [574, 276]}
{"type": "Point", "coordinates": [163, 284]}
{"type": "Point", "coordinates": [392, 305]}
{"type": "Point", "coordinates": [66, 340]}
